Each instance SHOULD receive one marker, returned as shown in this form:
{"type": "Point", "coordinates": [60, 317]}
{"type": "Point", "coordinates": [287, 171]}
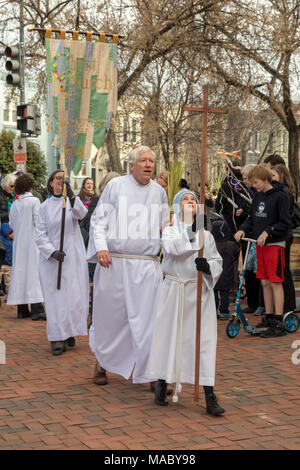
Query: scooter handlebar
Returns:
{"type": "Point", "coordinates": [248, 239]}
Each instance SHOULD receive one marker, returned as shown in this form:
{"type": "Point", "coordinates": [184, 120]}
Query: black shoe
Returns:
{"type": "Point", "coordinates": [161, 393]}
{"type": "Point", "coordinates": [38, 316]}
{"type": "Point", "coordinates": [275, 329]}
{"type": "Point", "coordinates": [24, 314]}
{"type": "Point", "coordinates": [58, 347]}
{"type": "Point", "coordinates": [249, 310]}
{"type": "Point", "coordinates": [153, 387]}
{"type": "Point", "coordinates": [212, 406]}
{"type": "Point", "coordinates": [265, 322]}
{"type": "Point", "coordinates": [71, 342]}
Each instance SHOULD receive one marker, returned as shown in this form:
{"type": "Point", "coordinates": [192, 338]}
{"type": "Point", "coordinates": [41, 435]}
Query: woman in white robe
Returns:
{"type": "Point", "coordinates": [67, 308]}
{"type": "Point", "coordinates": [25, 287]}
{"type": "Point", "coordinates": [172, 355]}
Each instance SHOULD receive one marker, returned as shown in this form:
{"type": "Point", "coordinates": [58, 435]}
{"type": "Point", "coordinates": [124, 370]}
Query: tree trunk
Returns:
{"type": "Point", "coordinates": [294, 145]}
{"type": "Point", "coordinates": [113, 151]}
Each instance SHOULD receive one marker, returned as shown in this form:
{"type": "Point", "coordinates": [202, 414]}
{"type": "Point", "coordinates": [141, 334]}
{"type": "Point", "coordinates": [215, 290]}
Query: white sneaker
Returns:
{"type": "Point", "coordinates": [259, 311]}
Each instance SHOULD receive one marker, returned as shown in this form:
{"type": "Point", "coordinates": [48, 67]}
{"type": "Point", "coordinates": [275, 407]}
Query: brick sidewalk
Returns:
{"type": "Point", "coordinates": [49, 402]}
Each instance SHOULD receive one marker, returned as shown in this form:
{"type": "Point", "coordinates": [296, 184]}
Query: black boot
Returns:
{"type": "Point", "coordinates": [23, 311]}
{"type": "Point", "coordinates": [161, 393]}
{"type": "Point", "coordinates": [212, 406]}
{"type": "Point", "coordinates": [70, 342]}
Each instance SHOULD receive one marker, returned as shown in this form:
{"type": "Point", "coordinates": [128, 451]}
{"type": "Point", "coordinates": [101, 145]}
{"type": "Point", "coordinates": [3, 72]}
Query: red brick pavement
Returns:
{"type": "Point", "coordinates": [49, 402]}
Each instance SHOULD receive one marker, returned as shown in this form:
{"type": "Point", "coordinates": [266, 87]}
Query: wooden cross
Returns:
{"type": "Point", "coordinates": [205, 110]}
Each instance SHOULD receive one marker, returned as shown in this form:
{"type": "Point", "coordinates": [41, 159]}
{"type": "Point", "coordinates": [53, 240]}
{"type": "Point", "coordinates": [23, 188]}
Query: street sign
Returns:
{"type": "Point", "coordinates": [20, 153]}
{"type": "Point", "coordinates": [21, 167]}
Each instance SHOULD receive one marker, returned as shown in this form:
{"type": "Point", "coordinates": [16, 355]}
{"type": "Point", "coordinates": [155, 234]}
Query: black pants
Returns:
{"type": "Point", "coordinates": [35, 308]}
{"type": "Point", "coordinates": [253, 286]}
{"type": "Point", "coordinates": [223, 302]}
{"type": "Point", "coordinates": [288, 283]}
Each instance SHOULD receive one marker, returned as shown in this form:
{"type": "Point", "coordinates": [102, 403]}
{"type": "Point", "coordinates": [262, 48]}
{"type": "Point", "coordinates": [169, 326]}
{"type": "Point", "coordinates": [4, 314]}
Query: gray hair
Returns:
{"type": "Point", "coordinates": [136, 153]}
{"type": "Point", "coordinates": [8, 180]}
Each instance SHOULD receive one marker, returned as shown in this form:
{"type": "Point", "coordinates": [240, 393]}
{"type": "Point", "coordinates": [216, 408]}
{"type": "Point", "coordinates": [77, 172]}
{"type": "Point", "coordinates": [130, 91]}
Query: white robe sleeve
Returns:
{"type": "Point", "coordinates": [100, 220]}
{"type": "Point", "coordinates": [35, 211]}
{"type": "Point", "coordinates": [41, 235]}
{"type": "Point", "coordinates": [176, 243]}
{"type": "Point", "coordinates": [11, 216]}
{"type": "Point", "coordinates": [214, 260]}
{"type": "Point", "coordinates": [78, 210]}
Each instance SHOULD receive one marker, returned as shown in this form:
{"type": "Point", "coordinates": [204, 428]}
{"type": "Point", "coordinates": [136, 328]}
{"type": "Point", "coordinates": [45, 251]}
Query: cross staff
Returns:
{"type": "Point", "coordinates": [205, 110]}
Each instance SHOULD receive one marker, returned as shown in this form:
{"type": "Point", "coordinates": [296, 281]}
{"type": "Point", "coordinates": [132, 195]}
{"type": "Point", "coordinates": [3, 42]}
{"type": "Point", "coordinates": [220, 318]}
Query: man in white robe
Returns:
{"type": "Point", "coordinates": [67, 308]}
{"type": "Point", "coordinates": [125, 242]}
{"type": "Point", "coordinates": [25, 287]}
{"type": "Point", "coordinates": [172, 355]}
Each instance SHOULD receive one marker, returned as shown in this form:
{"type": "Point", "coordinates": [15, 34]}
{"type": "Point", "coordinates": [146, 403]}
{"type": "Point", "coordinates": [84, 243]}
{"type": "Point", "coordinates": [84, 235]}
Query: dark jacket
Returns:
{"type": "Point", "coordinates": [7, 243]}
{"type": "Point", "coordinates": [4, 198]}
{"type": "Point", "coordinates": [269, 213]}
{"type": "Point", "coordinates": [85, 222]}
{"type": "Point", "coordinates": [291, 198]}
{"type": "Point", "coordinates": [229, 250]}
{"type": "Point", "coordinates": [225, 208]}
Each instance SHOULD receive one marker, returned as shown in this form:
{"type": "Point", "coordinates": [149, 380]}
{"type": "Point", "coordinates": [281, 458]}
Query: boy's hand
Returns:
{"type": "Point", "coordinates": [262, 239]}
{"type": "Point", "coordinates": [202, 265]}
{"type": "Point", "coordinates": [240, 234]}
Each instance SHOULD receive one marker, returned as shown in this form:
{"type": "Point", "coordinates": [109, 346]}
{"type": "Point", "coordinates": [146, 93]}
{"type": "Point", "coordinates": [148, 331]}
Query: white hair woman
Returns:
{"type": "Point", "coordinates": [7, 196]}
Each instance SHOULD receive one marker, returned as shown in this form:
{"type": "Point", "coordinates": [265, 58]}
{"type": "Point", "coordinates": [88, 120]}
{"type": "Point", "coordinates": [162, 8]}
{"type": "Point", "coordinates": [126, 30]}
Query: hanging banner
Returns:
{"type": "Point", "coordinates": [82, 95]}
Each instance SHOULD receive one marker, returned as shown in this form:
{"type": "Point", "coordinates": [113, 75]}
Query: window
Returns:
{"type": "Point", "coordinates": [284, 141]}
{"type": "Point", "coordinates": [257, 147]}
{"type": "Point", "coordinates": [125, 130]}
{"type": "Point", "coordinates": [14, 115]}
{"type": "Point", "coordinates": [134, 123]}
{"type": "Point", "coordinates": [6, 114]}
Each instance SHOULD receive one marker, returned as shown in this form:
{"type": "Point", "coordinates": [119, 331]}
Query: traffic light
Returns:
{"type": "Point", "coordinates": [13, 65]}
{"type": "Point", "coordinates": [37, 120]}
{"type": "Point", "coordinates": [26, 123]}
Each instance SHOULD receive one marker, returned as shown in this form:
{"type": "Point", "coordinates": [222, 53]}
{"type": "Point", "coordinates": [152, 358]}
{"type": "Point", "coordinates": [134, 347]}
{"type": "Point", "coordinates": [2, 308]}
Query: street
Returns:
{"type": "Point", "coordinates": [49, 402]}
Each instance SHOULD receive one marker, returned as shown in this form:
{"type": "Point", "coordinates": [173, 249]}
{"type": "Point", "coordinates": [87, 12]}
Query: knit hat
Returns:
{"type": "Point", "coordinates": [177, 201]}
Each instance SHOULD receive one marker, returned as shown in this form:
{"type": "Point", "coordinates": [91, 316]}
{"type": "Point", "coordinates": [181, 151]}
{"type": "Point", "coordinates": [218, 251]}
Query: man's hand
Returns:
{"type": "Point", "coordinates": [240, 234]}
{"type": "Point", "coordinates": [104, 258]}
{"type": "Point", "coordinates": [262, 239]}
{"type": "Point", "coordinates": [58, 255]}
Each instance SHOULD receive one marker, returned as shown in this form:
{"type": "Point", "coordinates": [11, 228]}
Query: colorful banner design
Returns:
{"type": "Point", "coordinates": [82, 95]}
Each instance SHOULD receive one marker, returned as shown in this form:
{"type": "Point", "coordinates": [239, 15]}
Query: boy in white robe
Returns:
{"type": "Point", "coordinates": [172, 354]}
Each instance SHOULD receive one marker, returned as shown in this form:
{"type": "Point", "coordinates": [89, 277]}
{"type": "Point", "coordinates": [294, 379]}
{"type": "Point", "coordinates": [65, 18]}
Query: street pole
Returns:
{"type": "Point", "coordinates": [22, 64]}
{"type": "Point", "coordinates": [22, 54]}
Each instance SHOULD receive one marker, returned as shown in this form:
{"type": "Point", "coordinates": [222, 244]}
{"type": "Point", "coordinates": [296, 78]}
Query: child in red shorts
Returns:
{"type": "Point", "coordinates": [269, 223]}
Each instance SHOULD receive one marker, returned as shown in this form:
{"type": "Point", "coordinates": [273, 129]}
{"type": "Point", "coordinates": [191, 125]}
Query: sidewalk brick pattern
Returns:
{"type": "Point", "coordinates": [49, 402]}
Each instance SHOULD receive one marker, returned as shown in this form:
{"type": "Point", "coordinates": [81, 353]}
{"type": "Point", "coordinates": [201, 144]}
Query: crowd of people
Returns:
{"type": "Point", "coordinates": [128, 272]}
